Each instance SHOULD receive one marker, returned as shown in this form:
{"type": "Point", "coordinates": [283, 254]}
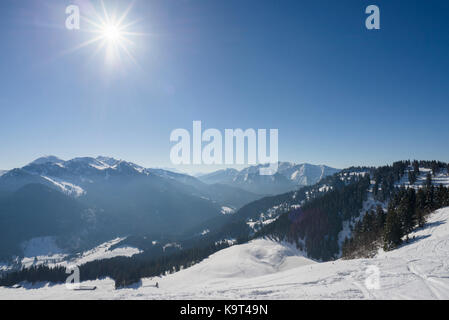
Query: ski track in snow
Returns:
{"type": "Point", "coordinates": [264, 269]}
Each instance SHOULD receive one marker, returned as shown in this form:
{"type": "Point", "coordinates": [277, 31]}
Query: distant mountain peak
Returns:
{"type": "Point", "coordinates": [108, 160]}
{"type": "Point", "coordinates": [47, 159]}
{"type": "Point", "coordinates": [289, 176]}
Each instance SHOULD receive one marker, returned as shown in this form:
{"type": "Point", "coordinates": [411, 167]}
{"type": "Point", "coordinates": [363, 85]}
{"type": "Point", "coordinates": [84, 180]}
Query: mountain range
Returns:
{"type": "Point", "coordinates": [95, 199]}
{"type": "Point", "coordinates": [106, 198]}
{"type": "Point", "coordinates": [290, 176]}
{"type": "Point", "coordinates": [351, 214]}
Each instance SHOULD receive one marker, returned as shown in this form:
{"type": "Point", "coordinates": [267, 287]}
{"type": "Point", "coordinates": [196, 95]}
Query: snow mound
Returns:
{"type": "Point", "coordinates": [257, 258]}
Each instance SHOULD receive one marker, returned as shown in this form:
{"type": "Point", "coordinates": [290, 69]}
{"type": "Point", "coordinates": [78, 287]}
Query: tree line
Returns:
{"type": "Point", "coordinates": [124, 271]}
{"type": "Point", "coordinates": [407, 210]}
{"type": "Point", "coordinates": [316, 225]}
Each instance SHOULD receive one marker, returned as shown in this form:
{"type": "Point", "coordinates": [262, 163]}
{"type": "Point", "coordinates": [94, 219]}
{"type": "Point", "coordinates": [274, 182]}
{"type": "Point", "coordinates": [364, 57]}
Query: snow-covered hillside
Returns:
{"type": "Point", "coordinates": [44, 251]}
{"type": "Point", "coordinates": [263, 269]}
{"type": "Point", "coordinates": [440, 178]}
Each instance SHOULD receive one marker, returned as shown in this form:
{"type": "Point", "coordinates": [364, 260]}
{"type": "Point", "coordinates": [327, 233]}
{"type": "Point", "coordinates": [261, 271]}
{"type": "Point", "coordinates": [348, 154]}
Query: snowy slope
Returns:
{"type": "Point", "coordinates": [44, 250]}
{"type": "Point", "coordinates": [66, 187]}
{"type": "Point", "coordinates": [441, 178]}
{"type": "Point", "coordinates": [104, 251]}
{"type": "Point", "coordinates": [264, 269]}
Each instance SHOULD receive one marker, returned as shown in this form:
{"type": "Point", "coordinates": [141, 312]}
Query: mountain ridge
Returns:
{"type": "Point", "coordinates": [290, 176]}
{"type": "Point", "coordinates": [127, 198]}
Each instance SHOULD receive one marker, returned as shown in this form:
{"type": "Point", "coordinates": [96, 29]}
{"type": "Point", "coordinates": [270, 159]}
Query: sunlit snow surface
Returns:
{"type": "Point", "coordinates": [264, 269]}
{"type": "Point", "coordinates": [39, 251]}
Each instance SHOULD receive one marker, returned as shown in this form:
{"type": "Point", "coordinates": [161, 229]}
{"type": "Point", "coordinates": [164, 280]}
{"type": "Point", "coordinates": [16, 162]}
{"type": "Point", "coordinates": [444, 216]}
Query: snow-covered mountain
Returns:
{"type": "Point", "coordinates": [70, 177]}
{"type": "Point", "coordinates": [290, 176]}
{"type": "Point", "coordinates": [107, 197]}
{"type": "Point", "coordinates": [263, 269]}
{"type": "Point", "coordinates": [47, 159]}
{"type": "Point", "coordinates": [76, 176]}
{"type": "Point", "coordinates": [305, 174]}
{"type": "Point", "coordinates": [2, 172]}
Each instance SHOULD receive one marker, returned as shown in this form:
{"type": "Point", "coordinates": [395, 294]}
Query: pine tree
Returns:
{"type": "Point", "coordinates": [430, 196]}
{"type": "Point", "coordinates": [380, 218]}
{"type": "Point", "coordinates": [429, 180]}
{"type": "Point", "coordinates": [416, 167]}
{"type": "Point", "coordinates": [408, 211]}
{"type": "Point", "coordinates": [393, 230]}
{"type": "Point", "coordinates": [421, 200]}
{"type": "Point", "coordinates": [412, 177]}
{"type": "Point", "coordinates": [376, 188]}
{"type": "Point", "coordinates": [421, 220]}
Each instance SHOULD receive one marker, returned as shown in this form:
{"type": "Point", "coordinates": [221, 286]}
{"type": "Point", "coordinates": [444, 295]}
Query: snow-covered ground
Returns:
{"type": "Point", "coordinates": [44, 251]}
{"type": "Point", "coordinates": [264, 269]}
{"type": "Point", "coordinates": [104, 252]}
{"type": "Point", "coordinates": [441, 178]}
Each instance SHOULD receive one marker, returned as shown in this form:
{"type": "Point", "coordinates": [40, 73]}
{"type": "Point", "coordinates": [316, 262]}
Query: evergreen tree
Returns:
{"type": "Point", "coordinates": [421, 220]}
{"type": "Point", "coordinates": [376, 188]}
{"type": "Point", "coordinates": [412, 177]}
{"type": "Point", "coordinates": [393, 230]}
{"type": "Point", "coordinates": [421, 200]}
{"type": "Point", "coordinates": [416, 167]}
{"type": "Point", "coordinates": [428, 180]}
{"type": "Point", "coordinates": [408, 203]}
{"type": "Point", "coordinates": [430, 205]}
{"type": "Point", "coordinates": [380, 218]}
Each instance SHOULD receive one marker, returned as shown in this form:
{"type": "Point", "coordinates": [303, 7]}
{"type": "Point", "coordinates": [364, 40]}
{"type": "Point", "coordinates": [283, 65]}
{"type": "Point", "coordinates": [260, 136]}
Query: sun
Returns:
{"type": "Point", "coordinates": [111, 33]}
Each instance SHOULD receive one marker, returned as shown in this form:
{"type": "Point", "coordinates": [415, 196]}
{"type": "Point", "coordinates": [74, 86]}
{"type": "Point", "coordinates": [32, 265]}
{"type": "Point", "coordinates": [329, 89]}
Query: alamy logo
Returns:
{"type": "Point", "coordinates": [217, 152]}
{"type": "Point", "coordinates": [372, 281]}
{"type": "Point", "coordinates": [73, 280]}
{"type": "Point", "coordinates": [373, 20]}
{"type": "Point", "coordinates": [73, 20]}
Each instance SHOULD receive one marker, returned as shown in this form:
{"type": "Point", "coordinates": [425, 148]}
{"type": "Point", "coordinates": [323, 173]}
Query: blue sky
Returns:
{"type": "Point", "coordinates": [339, 94]}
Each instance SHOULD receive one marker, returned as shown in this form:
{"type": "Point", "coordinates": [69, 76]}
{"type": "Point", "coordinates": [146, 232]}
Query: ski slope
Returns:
{"type": "Point", "coordinates": [264, 269]}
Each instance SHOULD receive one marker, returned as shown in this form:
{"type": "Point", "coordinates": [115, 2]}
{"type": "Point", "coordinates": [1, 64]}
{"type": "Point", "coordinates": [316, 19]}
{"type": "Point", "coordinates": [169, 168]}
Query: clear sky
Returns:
{"type": "Point", "coordinates": [339, 94]}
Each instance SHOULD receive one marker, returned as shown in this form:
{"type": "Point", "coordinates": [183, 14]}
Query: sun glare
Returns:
{"type": "Point", "coordinates": [111, 33]}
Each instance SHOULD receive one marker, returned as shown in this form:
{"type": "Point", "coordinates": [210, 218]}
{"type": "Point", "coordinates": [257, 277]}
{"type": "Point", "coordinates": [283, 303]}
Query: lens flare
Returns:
{"type": "Point", "coordinates": [111, 34]}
